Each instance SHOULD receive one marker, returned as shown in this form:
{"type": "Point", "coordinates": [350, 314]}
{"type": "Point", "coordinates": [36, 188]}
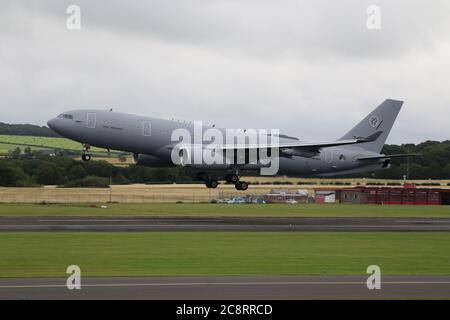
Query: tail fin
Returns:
{"type": "Point", "coordinates": [380, 119]}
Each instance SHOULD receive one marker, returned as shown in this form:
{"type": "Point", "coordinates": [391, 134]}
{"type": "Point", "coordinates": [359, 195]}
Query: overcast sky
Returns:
{"type": "Point", "coordinates": [310, 68]}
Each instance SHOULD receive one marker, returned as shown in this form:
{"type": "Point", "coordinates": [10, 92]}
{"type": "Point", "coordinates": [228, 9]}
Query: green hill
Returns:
{"type": "Point", "coordinates": [14, 141]}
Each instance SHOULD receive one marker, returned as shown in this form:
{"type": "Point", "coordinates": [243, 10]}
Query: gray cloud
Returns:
{"type": "Point", "coordinates": [311, 68]}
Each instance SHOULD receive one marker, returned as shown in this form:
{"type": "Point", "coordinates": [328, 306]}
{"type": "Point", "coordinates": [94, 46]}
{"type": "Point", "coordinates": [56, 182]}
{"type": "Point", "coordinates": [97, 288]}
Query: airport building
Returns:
{"type": "Point", "coordinates": [407, 195]}
{"type": "Point", "coordinates": [284, 195]}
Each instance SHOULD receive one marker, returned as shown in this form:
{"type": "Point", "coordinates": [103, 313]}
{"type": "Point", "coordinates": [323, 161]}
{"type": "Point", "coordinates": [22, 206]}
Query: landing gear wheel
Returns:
{"type": "Point", "coordinates": [212, 184]}
{"type": "Point", "coordinates": [86, 157]}
{"type": "Point", "coordinates": [232, 178]}
{"type": "Point", "coordinates": [241, 185]}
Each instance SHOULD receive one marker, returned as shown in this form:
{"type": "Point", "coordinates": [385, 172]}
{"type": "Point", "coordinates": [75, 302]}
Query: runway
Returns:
{"type": "Point", "coordinates": [126, 224]}
{"type": "Point", "coordinates": [235, 288]}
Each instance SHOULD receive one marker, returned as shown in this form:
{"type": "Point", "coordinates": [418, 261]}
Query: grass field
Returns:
{"type": "Point", "coordinates": [100, 154]}
{"type": "Point", "coordinates": [48, 143]}
{"type": "Point", "coordinates": [217, 210]}
{"type": "Point", "coordinates": [44, 141]}
{"type": "Point", "coordinates": [237, 253]}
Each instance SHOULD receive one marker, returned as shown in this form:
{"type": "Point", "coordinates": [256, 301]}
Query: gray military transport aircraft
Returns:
{"type": "Point", "coordinates": [150, 140]}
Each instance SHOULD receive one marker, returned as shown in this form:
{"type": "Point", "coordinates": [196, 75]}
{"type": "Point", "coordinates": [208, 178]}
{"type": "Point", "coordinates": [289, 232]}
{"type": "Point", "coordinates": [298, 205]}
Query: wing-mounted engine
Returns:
{"type": "Point", "coordinates": [189, 155]}
{"type": "Point", "coordinates": [197, 157]}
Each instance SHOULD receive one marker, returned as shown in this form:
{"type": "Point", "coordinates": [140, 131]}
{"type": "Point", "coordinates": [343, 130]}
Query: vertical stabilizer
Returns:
{"type": "Point", "coordinates": [380, 119]}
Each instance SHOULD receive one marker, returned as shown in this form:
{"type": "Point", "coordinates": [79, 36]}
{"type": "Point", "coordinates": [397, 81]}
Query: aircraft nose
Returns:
{"type": "Point", "coordinates": [53, 124]}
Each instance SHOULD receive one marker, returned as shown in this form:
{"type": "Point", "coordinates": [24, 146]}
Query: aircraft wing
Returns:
{"type": "Point", "coordinates": [389, 156]}
{"type": "Point", "coordinates": [304, 146]}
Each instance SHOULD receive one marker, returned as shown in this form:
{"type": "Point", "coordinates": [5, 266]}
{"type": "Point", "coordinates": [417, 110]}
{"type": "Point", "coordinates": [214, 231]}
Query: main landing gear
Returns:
{"type": "Point", "coordinates": [86, 156]}
{"type": "Point", "coordinates": [209, 182]}
{"type": "Point", "coordinates": [234, 179]}
{"type": "Point", "coordinates": [230, 178]}
{"type": "Point", "coordinates": [241, 185]}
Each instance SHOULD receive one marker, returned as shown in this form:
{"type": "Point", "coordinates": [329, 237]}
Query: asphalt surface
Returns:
{"type": "Point", "coordinates": [222, 224]}
{"type": "Point", "coordinates": [234, 288]}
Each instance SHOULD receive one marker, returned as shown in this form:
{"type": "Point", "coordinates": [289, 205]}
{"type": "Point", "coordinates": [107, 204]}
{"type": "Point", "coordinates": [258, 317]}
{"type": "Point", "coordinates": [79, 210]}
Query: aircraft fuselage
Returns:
{"type": "Point", "coordinates": [151, 139]}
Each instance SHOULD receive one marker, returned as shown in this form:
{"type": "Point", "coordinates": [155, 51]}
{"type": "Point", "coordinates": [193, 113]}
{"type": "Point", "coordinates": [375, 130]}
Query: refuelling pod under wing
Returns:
{"type": "Point", "coordinates": [151, 161]}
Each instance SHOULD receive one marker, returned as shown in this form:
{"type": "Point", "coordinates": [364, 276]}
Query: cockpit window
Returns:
{"type": "Point", "coordinates": [66, 116]}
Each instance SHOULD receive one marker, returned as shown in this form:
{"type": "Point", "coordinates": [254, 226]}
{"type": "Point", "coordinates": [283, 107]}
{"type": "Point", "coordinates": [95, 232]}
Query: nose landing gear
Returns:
{"type": "Point", "coordinates": [86, 156]}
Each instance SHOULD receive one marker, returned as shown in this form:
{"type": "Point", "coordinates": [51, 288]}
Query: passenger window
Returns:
{"type": "Point", "coordinates": [146, 128]}
{"type": "Point", "coordinates": [91, 120]}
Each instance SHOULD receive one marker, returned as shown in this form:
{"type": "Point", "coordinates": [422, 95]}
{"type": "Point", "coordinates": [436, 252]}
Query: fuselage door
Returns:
{"type": "Point", "coordinates": [146, 128]}
{"type": "Point", "coordinates": [91, 120]}
{"type": "Point", "coordinates": [327, 155]}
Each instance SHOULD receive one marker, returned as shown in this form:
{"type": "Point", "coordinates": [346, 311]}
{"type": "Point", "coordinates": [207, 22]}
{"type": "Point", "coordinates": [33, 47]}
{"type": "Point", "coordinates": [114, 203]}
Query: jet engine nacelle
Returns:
{"type": "Point", "coordinates": [190, 156]}
{"type": "Point", "coordinates": [151, 161]}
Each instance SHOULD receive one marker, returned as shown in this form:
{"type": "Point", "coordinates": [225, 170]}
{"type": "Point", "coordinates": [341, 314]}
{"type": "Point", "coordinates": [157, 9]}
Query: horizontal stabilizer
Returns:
{"type": "Point", "coordinates": [389, 156]}
{"type": "Point", "coordinates": [373, 137]}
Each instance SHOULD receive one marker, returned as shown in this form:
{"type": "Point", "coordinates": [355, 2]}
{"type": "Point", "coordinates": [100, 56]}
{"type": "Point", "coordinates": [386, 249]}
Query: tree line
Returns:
{"type": "Point", "coordinates": [433, 164]}
{"type": "Point", "coordinates": [33, 168]}
{"type": "Point", "coordinates": [26, 130]}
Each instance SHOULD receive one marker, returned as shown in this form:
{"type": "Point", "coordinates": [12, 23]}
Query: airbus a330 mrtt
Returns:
{"type": "Point", "coordinates": [150, 140]}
